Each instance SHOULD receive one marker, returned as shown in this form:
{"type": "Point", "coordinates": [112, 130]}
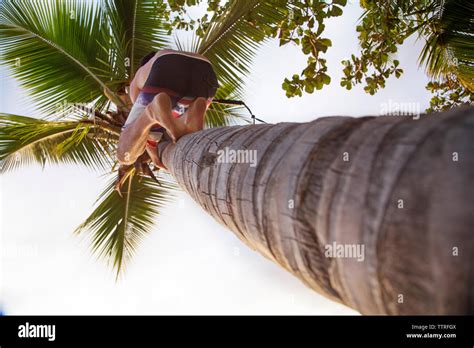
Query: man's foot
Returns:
{"type": "Point", "coordinates": [153, 153]}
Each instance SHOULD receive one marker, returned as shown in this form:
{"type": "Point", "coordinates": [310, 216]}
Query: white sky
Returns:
{"type": "Point", "coordinates": [189, 264]}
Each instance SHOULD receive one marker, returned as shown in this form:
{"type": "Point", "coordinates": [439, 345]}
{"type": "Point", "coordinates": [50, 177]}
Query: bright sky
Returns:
{"type": "Point", "coordinates": [189, 264]}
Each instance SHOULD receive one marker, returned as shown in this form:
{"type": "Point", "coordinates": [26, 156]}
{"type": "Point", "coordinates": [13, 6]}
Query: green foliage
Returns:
{"type": "Point", "coordinates": [448, 93]}
{"type": "Point", "coordinates": [218, 114]}
{"type": "Point", "coordinates": [448, 32]}
{"type": "Point", "coordinates": [232, 37]}
{"type": "Point", "coordinates": [228, 36]}
{"type": "Point", "coordinates": [449, 43]}
{"type": "Point", "coordinates": [447, 28]}
{"type": "Point", "coordinates": [24, 140]}
{"type": "Point", "coordinates": [120, 222]}
{"type": "Point", "coordinates": [304, 26]}
{"type": "Point", "coordinates": [139, 27]}
{"type": "Point", "coordinates": [245, 24]}
{"type": "Point", "coordinates": [384, 27]}
{"type": "Point", "coordinates": [53, 48]}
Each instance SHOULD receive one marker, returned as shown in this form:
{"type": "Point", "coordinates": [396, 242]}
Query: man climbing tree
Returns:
{"type": "Point", "coordinates": [171, 92]}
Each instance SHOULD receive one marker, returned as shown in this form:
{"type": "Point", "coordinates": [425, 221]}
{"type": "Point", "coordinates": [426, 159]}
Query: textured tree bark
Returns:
{"type": "Point", "coordinates": [400, 188]}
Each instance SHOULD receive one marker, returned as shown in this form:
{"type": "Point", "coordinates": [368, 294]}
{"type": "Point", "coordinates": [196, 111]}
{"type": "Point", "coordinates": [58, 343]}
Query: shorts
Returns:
{"type": "Point", "coordinates": [182, 76]}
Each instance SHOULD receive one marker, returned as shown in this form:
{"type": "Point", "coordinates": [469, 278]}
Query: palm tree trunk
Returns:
{"type": "Point", "coordinates": [394, 195]}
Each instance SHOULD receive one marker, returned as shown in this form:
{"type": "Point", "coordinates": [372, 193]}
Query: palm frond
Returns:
{"type": "Point", "coordinates": [232, 40]}
{"type": "Point", "coordinates": [219, 115]}
{"type": "Point", "coordinates": [138, 27]}
{"type": "Point", "coordinates": [190, 45]}
{"type": "Point", "coordinates": [25, 140]}
{"type": "Point", "coordinates": [448, 48]}
{"type": "Point", "coordinates": [120, 222]}
{"type": "Point", "coordinates": [55, 50]}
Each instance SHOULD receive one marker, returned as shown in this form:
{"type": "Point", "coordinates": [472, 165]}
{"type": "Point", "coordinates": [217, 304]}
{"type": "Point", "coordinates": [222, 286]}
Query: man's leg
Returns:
{"type": "Point", "coordinates": [194, 118]}
{"type": "Point", "coordinates": [193, 121]}
{"type": "Point", "coordinates": [133, 139]}
{"type": "Point", "coordinates": [160, 110]}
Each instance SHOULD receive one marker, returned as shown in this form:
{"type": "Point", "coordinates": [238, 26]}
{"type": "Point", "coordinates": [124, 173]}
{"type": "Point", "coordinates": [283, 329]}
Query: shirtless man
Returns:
{"type": "Point", "coordinates": [171, 92]}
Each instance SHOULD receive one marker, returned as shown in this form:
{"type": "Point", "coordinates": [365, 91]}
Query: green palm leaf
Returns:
{"type": "Point", "coordinates": [232, 40]}
{"type": "Point", "coordinates": [55, 50]}
{"type": "Point", "coordinates": [25, 140]}
{"type": "Point", "coordinates": [230, 43]}
{"type": "Point", "coordinates": [119, 223]}
{"type": "Point", "coordinates": [449, 47]}
{"type": "Point", "coordinates": [219, 115]}
{"type": "Point", "coordinates": [138, 28]}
